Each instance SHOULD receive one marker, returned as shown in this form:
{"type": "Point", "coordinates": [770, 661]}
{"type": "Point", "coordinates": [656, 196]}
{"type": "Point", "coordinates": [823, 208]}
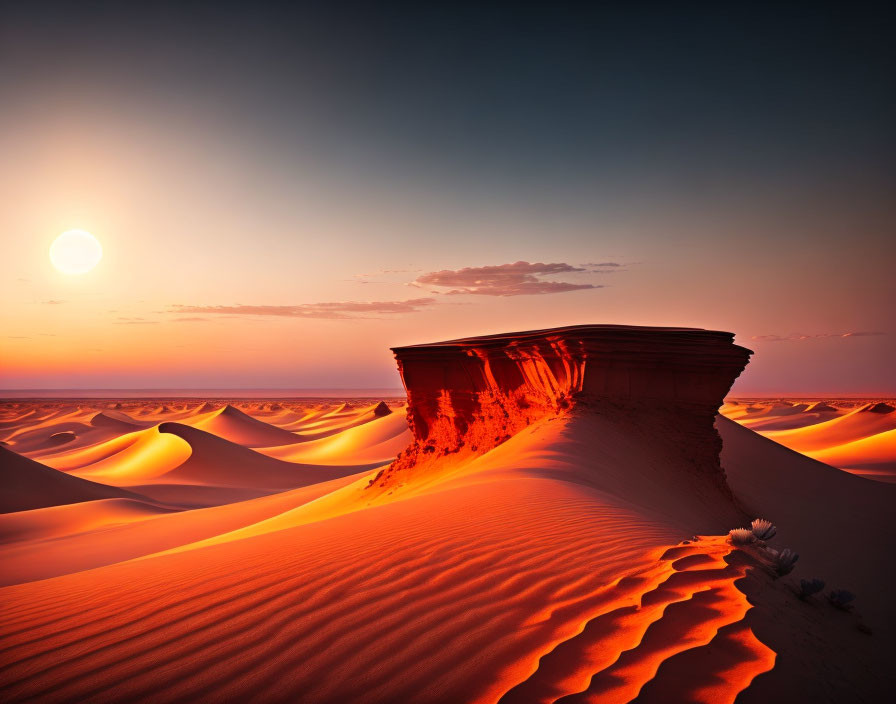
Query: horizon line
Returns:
{"type": "Point", "coordinates": [327, 392]}
{"type": "Point", "coordinates": [209, 392]}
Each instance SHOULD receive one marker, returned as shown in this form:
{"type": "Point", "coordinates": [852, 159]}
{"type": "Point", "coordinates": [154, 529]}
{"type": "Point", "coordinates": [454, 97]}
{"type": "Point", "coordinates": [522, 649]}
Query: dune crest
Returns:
{"type": "Point", "coordinates": [232, 424]}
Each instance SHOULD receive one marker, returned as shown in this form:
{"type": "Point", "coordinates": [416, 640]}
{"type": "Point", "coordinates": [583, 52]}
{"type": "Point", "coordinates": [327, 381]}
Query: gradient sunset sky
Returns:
{"type": "Point", "coordinates": [283, 194]}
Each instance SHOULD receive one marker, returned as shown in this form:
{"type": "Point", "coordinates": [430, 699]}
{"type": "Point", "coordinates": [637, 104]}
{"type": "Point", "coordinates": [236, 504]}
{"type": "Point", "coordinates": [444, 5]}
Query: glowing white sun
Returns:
{"type": "Point", "coordinates": [75, 252]}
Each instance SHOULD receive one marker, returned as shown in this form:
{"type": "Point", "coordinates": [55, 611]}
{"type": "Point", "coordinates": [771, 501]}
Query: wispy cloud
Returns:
{"type": "Point", "coordinates": [195, 319]}
{"type": "Point", "coordinates": [368, 277]}
{"type": "Point", "coordinates": [135, 321]}
{"type": "Point", "coordinates": [338, 310]}
{"type": "Point", "coordinates": [52, 303]}
{"type": "Point", "coordinates": [604, 267]}
{"type": "Point", "coordinates": [517, 279]}
{"type": "Point", "coordinates": [818, 336]}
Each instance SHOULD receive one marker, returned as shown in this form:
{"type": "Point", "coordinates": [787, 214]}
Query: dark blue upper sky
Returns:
{"type": "Point", "coordinates": [541, 96]}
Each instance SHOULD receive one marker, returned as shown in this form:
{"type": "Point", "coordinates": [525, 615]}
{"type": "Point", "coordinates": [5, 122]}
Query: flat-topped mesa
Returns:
{"type": "Point", "coordinates": [471, 394]}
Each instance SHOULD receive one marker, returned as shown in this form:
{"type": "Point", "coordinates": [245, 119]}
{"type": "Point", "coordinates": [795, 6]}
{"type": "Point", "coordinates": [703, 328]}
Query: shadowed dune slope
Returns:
{"type": "Point", "coordinates": [232, 424]}
{"type": "Point", "coordinates": [858, 439]}
{"type": "Point", "coordinates": [832, 518]}
{"type": "Point", "coordinates": [28, 485]}
{"type": "Point", "coordinates": [116, 420]}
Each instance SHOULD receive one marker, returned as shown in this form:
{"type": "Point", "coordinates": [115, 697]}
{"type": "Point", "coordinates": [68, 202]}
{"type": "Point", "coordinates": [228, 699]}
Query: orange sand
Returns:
{"type": "Point", "coordinates": [558, 566]}
{"type": "Point", "coordinates": [856, 436]}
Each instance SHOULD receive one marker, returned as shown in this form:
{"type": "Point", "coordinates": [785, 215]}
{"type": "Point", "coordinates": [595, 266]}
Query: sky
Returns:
{"type": "Point", "coordinates": [283, 193]}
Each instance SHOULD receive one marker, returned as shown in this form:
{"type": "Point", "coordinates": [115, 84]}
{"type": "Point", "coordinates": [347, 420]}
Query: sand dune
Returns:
{"type": "Point", "coordinates": [873, 457]}
{"type": "Point", "coordinates": [117, 420]}
{"type": "Point", "coordinates": [103, 533]}
{"type": "Point", "coordinates": [858, 424]}
{"type": "Point", "coordinates": [778, 417]}
{"type": "Point", "coordinates": [821, 407]}
{"type": "Point", "coordinates": [330, 423]}
{"type": "Point", "coordinates": [135, 458]}
{"type": "Point", "coordinates": [16, 419]}
{"type": "Point", "coordinates": [806, 502]}
{"type": "Point", "coordinates": [181, 454]}
{"type": "Point", "coordinates": [281, 417]}
{"type": "Point", "coordinates": [232, 424]}
{"type": "Point", "coordinates": [67, 459]}
{"type": "Point", "coordinates": [71, 519]}
{"type": "Point", "coordinates": [81, 427]}
{"type": "Point", "coordinates": [29, 485]}
{"type": "Point", "coordinates": [376, 441]}
{"type": "Point", "coordinates": [855, 437]}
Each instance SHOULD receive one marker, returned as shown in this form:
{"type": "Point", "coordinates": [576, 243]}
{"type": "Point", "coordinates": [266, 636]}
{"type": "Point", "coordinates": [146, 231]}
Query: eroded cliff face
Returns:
{"type": "Point", "coordinates": [467, 396]}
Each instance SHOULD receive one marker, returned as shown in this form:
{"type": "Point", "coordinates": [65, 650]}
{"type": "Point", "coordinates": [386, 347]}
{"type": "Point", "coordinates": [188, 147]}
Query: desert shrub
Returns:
{"type": "Point", "coordinates": [783, 561]}
{"type": "Point", "coordinates": [808, 587]}
{"type": "Point", "coordinates": [740, 536]}
{"type": "Point", "coordinates": [840, 598]}
{"type": "Point", "coordinates": [763, 529]}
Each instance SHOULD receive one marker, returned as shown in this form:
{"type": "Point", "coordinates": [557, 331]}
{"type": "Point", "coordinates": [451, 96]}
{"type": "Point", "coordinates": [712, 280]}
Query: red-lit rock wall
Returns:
{"type": "Point", "coordinates": [469, 395]}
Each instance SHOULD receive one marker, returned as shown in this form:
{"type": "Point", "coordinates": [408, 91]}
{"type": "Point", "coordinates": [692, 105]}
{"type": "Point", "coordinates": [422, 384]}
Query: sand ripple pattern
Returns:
{"type": "Point", "coordinates": [477, 602]}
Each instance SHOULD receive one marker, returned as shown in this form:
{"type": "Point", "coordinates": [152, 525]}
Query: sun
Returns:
{"type": "Point", "coordinates": [75, 252]}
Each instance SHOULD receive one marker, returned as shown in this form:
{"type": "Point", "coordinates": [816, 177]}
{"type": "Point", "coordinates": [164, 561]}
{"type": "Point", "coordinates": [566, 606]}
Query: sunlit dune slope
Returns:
{"type": "Point", "coordinates": [780, 416]}
{"type": "Point", "coordinates": [873, 457]}
{"type": "Point", "coordinates": [857, 439]}
{"type": "Point", "coordinates": [176, 453]}
{"type": "Point", "coordinates": [132, 459]}
{"type": "Point", "coordinates": [70, 519]}
{"type": "Point", "coordinates": [376, 441]}
{"type": "Point", "coordinates": [28, 485]}
{"type": "Point", "coordinates": [16, 418]}
{"type": "Point", "coordinates": [280, 417]}
{"type": "Point", "coordinates": [858, 424]}
{"type": "Point", "coordinates": [102, 533]}
{"type": "Point", "coordinates": [328, 423]}
{"type": "Point", "coordinates": [68, 459]}
{"type": "Point", "coordinates": [78, 428]}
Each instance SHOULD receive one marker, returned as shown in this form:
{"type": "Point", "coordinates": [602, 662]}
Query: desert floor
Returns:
{"type": "Point", "coordinates": [174, 550]}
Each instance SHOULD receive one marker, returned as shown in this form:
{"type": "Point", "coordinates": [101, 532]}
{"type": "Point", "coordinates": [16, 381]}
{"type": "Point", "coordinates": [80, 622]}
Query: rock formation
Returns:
{"type": "Point", "coordinates": [471, 394]}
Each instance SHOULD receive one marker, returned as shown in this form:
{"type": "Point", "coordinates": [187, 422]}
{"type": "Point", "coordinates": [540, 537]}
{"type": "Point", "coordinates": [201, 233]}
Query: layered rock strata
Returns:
{"type": "Point", "coordinates": [471, 394]}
